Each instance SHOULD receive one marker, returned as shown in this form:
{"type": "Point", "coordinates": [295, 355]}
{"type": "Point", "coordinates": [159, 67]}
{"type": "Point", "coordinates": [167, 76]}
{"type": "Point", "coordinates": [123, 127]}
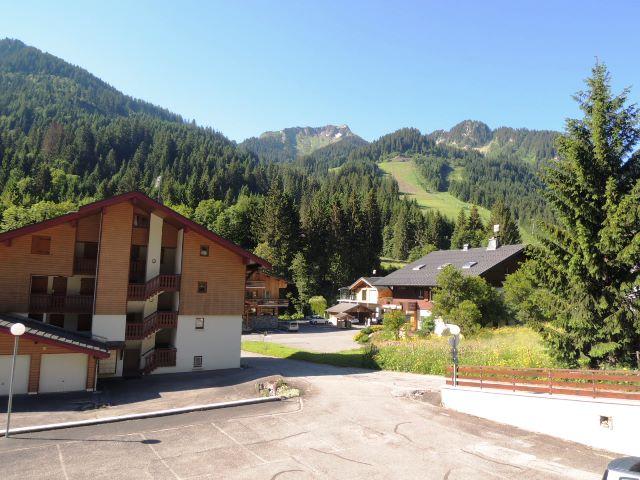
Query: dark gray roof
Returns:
{"type": "Point", "coordinates": [425, 276]}
{"type": "Point", "coordinates": [57, 334]}
{"type": "Point", "coordinates": [372, 280]}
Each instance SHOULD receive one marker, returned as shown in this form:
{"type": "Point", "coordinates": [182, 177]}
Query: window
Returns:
{"type": "Point", "coordinates": [204, 250]}
{"type": "Point", "coordinates": [468, 265]}
{"type": "Point", "coordinates": [364, 294]}
{"type": "Point", "coordinates": [202, 287]}
{"type": "Point", "coordinates": [418, 267]}
{"type": "Point", "coordinates": [199, 323]}
{"type": "Point", "coordinates": [40, 245]}
{"type": "Point", "coordinates": [443, 266]}
{"type": "Point", "coordinates": [197, 361]}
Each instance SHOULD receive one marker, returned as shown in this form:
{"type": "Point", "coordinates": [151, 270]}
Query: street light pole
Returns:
{"type": "Point", "coordinates": [17, 329]}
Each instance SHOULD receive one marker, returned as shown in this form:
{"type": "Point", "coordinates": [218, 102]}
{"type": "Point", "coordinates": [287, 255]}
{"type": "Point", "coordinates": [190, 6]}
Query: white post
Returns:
{"type": "Point", "coordinates": [17, 329]}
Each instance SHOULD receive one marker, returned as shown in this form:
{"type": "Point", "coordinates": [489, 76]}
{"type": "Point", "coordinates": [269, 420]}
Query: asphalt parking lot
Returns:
{"type": "Point", "coordinates": [350, 423]}
{"type": "Point", "coordinates": [313, 338]}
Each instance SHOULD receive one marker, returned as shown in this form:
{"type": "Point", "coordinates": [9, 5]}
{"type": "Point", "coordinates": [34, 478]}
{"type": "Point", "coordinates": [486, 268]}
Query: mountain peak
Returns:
{"type": "Point", "coordinates": [291, 143]}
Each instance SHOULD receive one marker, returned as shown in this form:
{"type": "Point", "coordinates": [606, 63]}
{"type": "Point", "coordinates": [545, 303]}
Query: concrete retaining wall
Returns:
{"type": "Point", "coordinates": [608, 424]}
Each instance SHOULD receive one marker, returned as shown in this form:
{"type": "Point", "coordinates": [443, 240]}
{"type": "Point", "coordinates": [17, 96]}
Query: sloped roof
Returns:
{"type": "Point", "coordinates": [426, 275]}
{"type": "Point", "coordinates": [47, 333]}
{"type": "Point", "coordinates": [141, 200]}
{"type": "Point", "coordinates": [371, 281]}
{"type": "Point", "coordinates": [345, 307]}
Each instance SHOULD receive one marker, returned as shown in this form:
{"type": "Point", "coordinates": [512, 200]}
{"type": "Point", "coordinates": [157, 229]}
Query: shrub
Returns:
{"type": "Point", "coordinates": [361, 337]}
{"type": "Point", "coordinates": [367, 330]}
{"type": "Point", "coordinates": [318, 304]}
{"type": "Point", "coordinates": [393, 321]}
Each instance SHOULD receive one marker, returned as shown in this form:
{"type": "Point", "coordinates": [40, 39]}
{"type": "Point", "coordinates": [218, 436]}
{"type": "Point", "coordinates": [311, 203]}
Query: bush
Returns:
{"type": "Point", "coordinates": [376, 328]}
{"type": "Point", "coordinates": [367, 330]}
{"type": "Point", "coordinates": [394, 321]}
{"type": "Point", "coordinates": [361, 337]}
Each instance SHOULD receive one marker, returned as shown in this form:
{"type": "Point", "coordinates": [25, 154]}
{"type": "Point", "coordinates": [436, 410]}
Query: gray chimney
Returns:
{"type": "Point", "coordinates": [493, 243]}
{"type": "Point", "coordinates": [465, 247]}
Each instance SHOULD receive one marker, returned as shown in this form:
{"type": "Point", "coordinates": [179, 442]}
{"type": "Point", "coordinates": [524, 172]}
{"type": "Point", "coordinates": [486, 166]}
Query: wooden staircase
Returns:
{"type": "Point", "coordinates": [151, 324]}
{"type": "Point", "coordinates": [156, 285]}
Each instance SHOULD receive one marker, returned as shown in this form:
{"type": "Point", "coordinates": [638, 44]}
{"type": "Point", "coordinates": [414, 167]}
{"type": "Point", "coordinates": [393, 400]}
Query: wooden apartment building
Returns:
{"type": "Point", "coordinates": [121, 287]}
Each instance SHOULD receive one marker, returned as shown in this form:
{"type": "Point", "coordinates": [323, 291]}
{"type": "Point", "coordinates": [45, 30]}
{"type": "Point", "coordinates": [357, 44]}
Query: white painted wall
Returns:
{"type": "Point", "coordinates": [21, 376]}
{"type": "Point", "coordinates": [154, 246]}
{"type": "Point", "coordinates": [111, 327]}
{"type": "Point", "coordinates": [218, 343]}
{"type": "Point", "coordinates": [63, 372]}
{"type": "Point", "coordinates": [571, 418]}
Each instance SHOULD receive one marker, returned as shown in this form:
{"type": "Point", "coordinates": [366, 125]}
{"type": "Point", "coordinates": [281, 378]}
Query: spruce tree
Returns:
{"type": "Point", "coordinates": [475, 228]}
{"type": "Point", "coordinates": [459, 235]}
{"type": "Point", "coordinates": [508, 233]}
{"type": "Point", "coordinates": [588, 262]}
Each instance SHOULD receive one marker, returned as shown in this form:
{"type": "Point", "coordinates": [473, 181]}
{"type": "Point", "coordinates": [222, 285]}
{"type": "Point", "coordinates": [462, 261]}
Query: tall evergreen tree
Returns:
{"type": "Point", "coordinates": [459, 235]}
{"type": "Point", "coordinates": [509, 233]}
{"type": "Point", "coordinates": [588, 262]}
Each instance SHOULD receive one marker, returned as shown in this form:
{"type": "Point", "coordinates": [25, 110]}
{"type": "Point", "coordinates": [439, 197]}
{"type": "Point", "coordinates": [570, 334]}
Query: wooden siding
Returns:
{"type": "Point", "coordinates": [169, 235]}
{"type": "Point", "coordinates": [113, 264]}
{"type": "Point", "coordinates": [17, 264]}
{"type": "Point", "coordinates": [140, 236]}
{"type": "Point", "coordinates": [272, 285]}
{"type": "Point", "coordinates": [224, 272]}
{"type": "Point", "coordinates": [88, 229]}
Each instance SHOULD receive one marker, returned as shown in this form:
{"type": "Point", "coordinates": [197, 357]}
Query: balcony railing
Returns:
{"type": "Point", "coordinates": [159, 357]}
{"type": "Point", "coordinates": [159, 283]}
{"type": "Point", "coordinates": [272, 302]}
{"type": "Point", "coordinates": [84, 266]}
{"type": "Point", "coordinates": [151, 324]}
{"type": "Point", "coordinates": [46, 303]}
{"type": "Point", "coordinates": [255, 284]}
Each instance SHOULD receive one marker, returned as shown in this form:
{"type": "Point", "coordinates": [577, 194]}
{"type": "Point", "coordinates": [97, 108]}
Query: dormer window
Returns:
{"type": "Point", "coordinates": [418, 267]}
{"type": "Point", "coordinates": [468, 265]}
{"type": "Point", "coordinates": [444, 265]}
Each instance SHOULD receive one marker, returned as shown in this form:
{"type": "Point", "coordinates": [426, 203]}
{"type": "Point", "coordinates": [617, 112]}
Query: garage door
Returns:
{"type": "Point", "coordinates": [21, 378]}
{"type": "Point", "coordinates": [63, 372]}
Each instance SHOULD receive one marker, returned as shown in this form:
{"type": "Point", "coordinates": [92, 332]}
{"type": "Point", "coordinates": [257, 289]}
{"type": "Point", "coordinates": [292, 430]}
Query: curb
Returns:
{"type": "Point", "coordinates": [138, 416]}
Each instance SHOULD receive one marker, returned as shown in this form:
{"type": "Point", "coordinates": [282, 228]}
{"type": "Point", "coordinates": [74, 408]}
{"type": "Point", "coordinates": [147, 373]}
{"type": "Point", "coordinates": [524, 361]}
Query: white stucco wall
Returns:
{"type": "Point", "coordinates": [571, 418]}
{"type": "Point", "coordinates": [218, 343]}
{"type": "Point", "coordinates": [153, 248]}
{"type": "Point", "coordinates": [111, 327]}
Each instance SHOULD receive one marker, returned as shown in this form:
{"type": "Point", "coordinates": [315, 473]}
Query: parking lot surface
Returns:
{"type": "Point", "coordinates": [349, 424]}
{"type": "Point", "coordinates": [313, 338]}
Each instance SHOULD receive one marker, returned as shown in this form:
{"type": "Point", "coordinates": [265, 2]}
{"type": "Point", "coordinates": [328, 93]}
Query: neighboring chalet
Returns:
{"type": "Point", "coordinates": [264, 298]}
{"type": "Point", "coordinates": [411, 286]}
{"type": "Point", "coordinates": [121, 287]}
{"type": "Point", "coordinates": [359, 301]}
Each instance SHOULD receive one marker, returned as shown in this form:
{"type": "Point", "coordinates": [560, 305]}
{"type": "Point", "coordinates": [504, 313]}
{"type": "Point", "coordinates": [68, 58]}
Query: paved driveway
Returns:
{"type": "Point", "coordinates": [314, 338]}
{"type": "Point", "coordinates": [351, 424]}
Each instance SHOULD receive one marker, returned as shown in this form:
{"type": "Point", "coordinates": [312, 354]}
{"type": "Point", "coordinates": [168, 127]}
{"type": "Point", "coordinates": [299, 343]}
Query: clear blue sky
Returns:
{"type": "Point", "coordinates": [244, 67]}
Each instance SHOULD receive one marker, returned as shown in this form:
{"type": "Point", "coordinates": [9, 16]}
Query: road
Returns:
{"type": "Point", "coordinates": [350, 423]}
{"type": "Point", "coordinates": [314, 338]}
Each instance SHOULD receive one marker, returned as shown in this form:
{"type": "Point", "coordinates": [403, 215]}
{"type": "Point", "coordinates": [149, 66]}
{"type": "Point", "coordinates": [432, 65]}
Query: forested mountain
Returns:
{"type": "Point", "coordinates": [67, 138]}
{"type": "Point", "coordinates": [531, 146]}
{"type": "Point", "coordinates": [291, 143]}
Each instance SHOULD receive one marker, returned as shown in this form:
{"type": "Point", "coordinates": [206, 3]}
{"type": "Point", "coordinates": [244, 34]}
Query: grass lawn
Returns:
{"type": "Point", "coordinates": [518, 347]}
{"type": "Point", "coordinates": [410, 184]}
{"type": "Point", "coordinates": [348, 358]}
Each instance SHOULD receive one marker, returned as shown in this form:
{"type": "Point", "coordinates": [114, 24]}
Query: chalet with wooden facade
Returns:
{"type": "Point", "coordinates": [411, 287]}
{"type": "Point", "coordinates": [264, 300]}
{"type": "Point", "coordinates": [121, 287]}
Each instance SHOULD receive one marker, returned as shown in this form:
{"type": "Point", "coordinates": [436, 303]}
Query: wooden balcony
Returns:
{"type": "Point", "coordinates": [256, 284]}
{"type": "Point", "coordinates": [84, 266]}
{"type": "Point", "coordinates": [151, 324]}
{"type": "Point", "coordinates": [158, 284]}
{"type": "Point", "coordinates": [46, 303]}
{"type": "Point", "coordinates": [159, 357]}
